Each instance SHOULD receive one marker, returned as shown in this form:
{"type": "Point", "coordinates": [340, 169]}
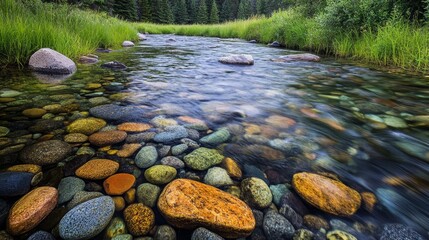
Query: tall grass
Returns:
{"type": "Point", "coordinates": [397, 43]}
{"type": "Point", "coordinates": [27, 26]}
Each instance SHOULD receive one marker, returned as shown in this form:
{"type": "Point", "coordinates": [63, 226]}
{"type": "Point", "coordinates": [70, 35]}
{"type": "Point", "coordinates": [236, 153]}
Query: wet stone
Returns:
{"type": "Point", "coordinates": [179, 149]}
{"type": "Point", "coordinates": [114, 65]}
{"type": "Point", "coordinates": [97, 169]}
{"type": "Point", "coordinates": [107, 138]}
{"type": "Point", "coordinates": [68, 187]}
{"type": "Point", "coordinates": [34, 112]}
{"type": "Point", "coordinates": [4, 131]}
{"type": "Point", "coordinates": [164, 151]}
{"type": "Point", "coordinates": [165, 232]}
{"type": "Point", "coordinates": [119, 183]}
{"type": "Point", "coordinates": [205, 234]}
{"type": "Point", "coordinates": [399, 232]}
{"type": "Point", "coordinates": [217, 177]}
{"type": "Point", "coordinates": [81, 197]}
{"type": "Point", "coordinates": [146, 157]}
{"type": "Point", "coordinates": [140, 137]}
{"type": "Point", "coordinates": [277, 227]}
{"type": "Point", "coordinates": [278, 191]}
{"type": "Point", "coordinates": [147, 194]}
{"type": "Point", "coordinates": [216, 138]}
{"type": "Point", "coordinates": [75, 138]}
{"type": "Point", "coordinates": [128, 149]}
{"type": "Point", "coordinates": [303, 234]}
{"type": "Point", "coordinates": [315, 222]}
{"type": "Point", "coordinates": [139, 219]}
{"type": "Point", "coordinates": [337, 234]}
{"type": "Point", "coordinates": [115, 112]}
{"type": "Point", "coordinates": [160, 174]}
{"type": "Point", "coordinates": [123, 237]}
{"type": "Point", "coordinates": [45, 126]}
{"type": "Point", "coordinates": [203, 158]}
{"type": "Point", "coordinates": [41, 235]}
{"type": "Point", "coordinates": [173, 162]}
{"type": "Point", "coordinates": [256, 193]}
{"type": "Point", "coordinates": [44, 153]}
{"type": "Point", "coordinates": [171, 134]}
{"type": "Point", "coordinates": [15, 183]}
{"type": "Point", "coordinates": [290, 214]}
{"type": "Point", "coordinates": [116, 227]}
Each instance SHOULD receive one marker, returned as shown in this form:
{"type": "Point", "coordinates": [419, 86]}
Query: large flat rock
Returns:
{"type": "Point", "coordinates": [46, 60]}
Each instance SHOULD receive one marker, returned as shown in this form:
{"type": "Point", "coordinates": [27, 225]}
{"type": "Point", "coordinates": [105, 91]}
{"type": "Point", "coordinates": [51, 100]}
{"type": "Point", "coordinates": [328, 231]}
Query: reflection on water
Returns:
{"type": "Point", "coordinates": [368, 127]}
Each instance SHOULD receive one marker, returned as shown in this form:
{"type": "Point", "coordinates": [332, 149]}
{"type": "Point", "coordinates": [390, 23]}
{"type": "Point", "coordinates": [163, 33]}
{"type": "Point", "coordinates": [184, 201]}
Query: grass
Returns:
{"type": "Point", "coordinates": [27, 26]}
{"type": "Point", "coordinates": [398, 43]}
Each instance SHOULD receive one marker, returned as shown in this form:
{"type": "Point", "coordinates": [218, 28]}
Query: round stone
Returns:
{"type": "Point", "coordinates": [115, 227]}
{"type": "Point", "coordinates": [277, 227]}
{"type": "Point", "coordinates": [139, 219]}
{"type": "Point", "coordinates": [31, 209]}
{"type": "Point", "coordinates": [256, 193]}
{"type": "Point", "coordinates": [41, 235]}
{"type": "Point", "coordinates": [107, 138]}
{"type": "Point", "coordinates": [119, 203]}
{"type": "Point", "coordinates": [134, 127]}
{"type": "Point", "coordinates": [119, 183]}
{"type": "Point", "coordinates": [15, 183]}
{"type": "Point", "coordinates": [45, 153]}
{"type": "Point", "coordinates": [88, 219]}
{"type": "Point", "coordinates": [86, 126]}
{"type": "Point", "coordinates": [173, 162]}
{"type": "Point", "coordinates": [4, 131]}
{"type": "Point", "coordinates": [217, 177]}
{"type": "Point", "coordinates": [232, 168]}
{"type": "Point", "coordinates": [34, 112]}
{"type": "Point", "coordinates": [97, 169]}
{"type": "Point", "coordinates": [68, 187]}
{"type": "Point", "coordinates": [146, 157]}
{"type": "Point", "coordinates": [75, 138]}
{"type": "Point", "coordinates": [147, 194]}
{"type": "Point", "coordinates": [179, 149]}
{"type": "Point", "coordinates": [203, 158]}
{"type": "Point", "coordinates": [160, 174]}
{"type": "Point", "coordinates": [165, 232]}
{"type": "Point", "coordinates": [216, 138]}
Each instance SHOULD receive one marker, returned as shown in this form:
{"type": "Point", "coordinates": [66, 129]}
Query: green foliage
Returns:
{"type": "Point", "coordinates": [214, 13]}
{"type": "Point", "coordinates": [145, 12]}
{"type": "Point", "coordinates": [229, 10]}
{"type": "Point", "coordinates": [181, 12]}
{"type": "Point", "coordinates": [244, 9]}
{"type": "Point", "coordinates": [202, 16]}
{"type": "Point", "coordinates": [125, 9]}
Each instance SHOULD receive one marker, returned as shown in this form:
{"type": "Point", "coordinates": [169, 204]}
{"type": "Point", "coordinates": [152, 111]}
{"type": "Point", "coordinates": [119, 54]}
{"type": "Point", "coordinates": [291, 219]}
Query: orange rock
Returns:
{"type": "Point", "coordinates": [327, 194]}
{"type": "Point", "coordinates": [280, 121]}
{"type": "Point", "coordinates": [31, 209]}
{"type": "Point", "coordinates": [268, 131]}
{"type": "Point", "coordinates": [331, 123]}
{"type": "Point", "coordinates": [31, 168]}
{"type": "Point", "coordinates": [252, 129]}
{"type": "Point", "coordinates": [128, 149]}
{"type": "Point", "coordinates": [119, 203]}
{"type": "Point", "coordinates": [139, 219]}
{"type": "Point", "coordinates": [130, 196]}
{"type": "Point", "coordinates": [369, 200]}
{"type": "Point", "coordinates": [119, 183]}
{"type": "Point", "coordinates": [97, 169]}
{"type": "Point", "coordinates": [191, 120]}
{"type": "Point", "coordinates": [107, 138]}
{"type": "Point", "coordinates": [232, 168]}
{"type": "Point", "coordinates": [189, 204]}
{"type": "Point", "coordinates": [134, 127]}
{"type": "Point", "coordinates": [309, 112]}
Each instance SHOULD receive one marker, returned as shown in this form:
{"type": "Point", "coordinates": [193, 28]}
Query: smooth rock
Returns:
{"type": "Point", "coordinates": [182, 200]}
{"type": "Point", "coordinates": [327, 194]}
{"type": "Point", "coordinates": [399, 232]}
{"type": "Point", "coordinates": [179, 149]}
{"type": "Point", "coordinates": [127, 44]}
{"type": "Point", "coordinates": [114, 112]}
{"type": "Point", "coordinates": [160, 174]}
{"type": "Point", "coordinates": [171, 134]}
{"type": "Point", "coordinates": [87, 60]}
{"type": "Point", "coordinates": [46, 60]}
{"type": "Point", "coordinates": [128, 150]}
{"type": "Point", "coordinates": [307, 57]}
{"type": "Point", "coordinates": [41, 235]}
{"type": "Point", "coordinates": [139, 219]}
{"type": "Point", "coordinates": [8, 93]}
{"type": "Point", "coordinates": [15, 183]}
{"type": "Point", "coordinates": [256, 193]}
{"type": "Point", "coordinates": [107, 138]}
{"type": "Point", "coordinates": [241, 59]}
{"type": "Point", "coordinates": [68, 187]}
{"type": "Point", "coordinates": [216, 138]}
{"type": "Point", "coordinates": [4, 131]}
{"type": "Point", "coordinates": [88, 219]}
{"type": "Point", "coordinates": [165, 232]}
{"type": "Point", "coordinates": [31, 209]}
{"type": "Point", "coordinates": [75, 138]}
{"type": "Point", "coordinates": [203, 158]}
{"type": "Point", "coordinates": [140, 137]}
{"type": "Point", "coordinates": [148, 194]}
{"type": "Point", "coordinates": [278, 191]}
{"type": "Point", "coordinates": [119, 183]}
{"type": "Point", "coordinates": [173, 162]}
{"type": "Point", "coordinates": [116, 227]}
{"type": "Point", "coordinates": [45, 153]}
{"type": "Point", "coordinates": [97, 169]}
{"type": "Point", "coordinates": [217, 177]}
{"type": "Point", "coordinates": [232, 168]}
{"type": "Point", "coordinates": [134, 127]}
{"type": "Point", "coordinates": [34, 112]}
{"type": "Point", "coordinates": [294, 218]}
{"type": "Point", "coordinates": [339, 235]}
{"type": "Point", "coordinates": [146, 157]}
{"type": "Point", "coordinates": [114, 65]}
{"type": "Point", "coordinates": [119, 203]}
{"type": "Point", "coordinates": [205, 234]}
{"type": "Point", "coordinates": [277, 227]}
{"type": "Point", "coordinates": [81, 197]}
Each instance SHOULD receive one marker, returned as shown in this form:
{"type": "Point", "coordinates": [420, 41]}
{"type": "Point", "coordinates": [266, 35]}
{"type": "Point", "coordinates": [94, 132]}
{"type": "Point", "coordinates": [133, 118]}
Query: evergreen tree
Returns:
{"type": "Point", "coordinates": [229, 10]}
{"type": "Point", "coordinates": [145, 11]}
{"type": "Point", "coordinates": [214, 13]}
{"type": "Point", "coordinates": [261, 7]}
{"type": "Point", "coordinates": [192, 10]}
{"type": "Point", "coordinates": [244, 9]}
{"type": "Point", "coordinates": [181, 12]}
{"type": "Point", "coordinates": [169, 16]}
{"type": "Point", "coordinates": [202, 12]}
{"type": "Point", "coordinates": [125, 9]}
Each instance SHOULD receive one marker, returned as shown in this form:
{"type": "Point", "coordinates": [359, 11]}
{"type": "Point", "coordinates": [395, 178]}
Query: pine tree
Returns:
{"type": "Point", "coordinates": [214, 13]}
{"type": "Point", "coordinates": [169, 16]}
{"type": "Point", "coordinates": [202, 17]}
{"type": "Point", "coordinates": [181, 12]}
{"type": "Point", "coordinates": [192, 10]}
{"type": "Point", "coordinates": [145, 11]}
{"type": "Point", "coordinates": [125, 9]}
{"type": "Point", "coordinates": [229, 10]}
{"type": "Point", "coordinates": [261, 7]}
{"type": "Point", "coordinates": [244, 9]}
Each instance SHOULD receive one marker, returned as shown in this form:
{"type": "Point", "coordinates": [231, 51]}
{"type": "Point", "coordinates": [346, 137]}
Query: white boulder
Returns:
{"type": "Point", "coordinates": [46, 60]}
{"type": "Point", "coordinates": [241, 59]}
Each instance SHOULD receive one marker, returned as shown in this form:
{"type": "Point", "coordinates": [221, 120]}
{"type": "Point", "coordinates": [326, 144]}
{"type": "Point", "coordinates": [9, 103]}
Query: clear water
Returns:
{"type": "Point", "coordinates": [183, 77]}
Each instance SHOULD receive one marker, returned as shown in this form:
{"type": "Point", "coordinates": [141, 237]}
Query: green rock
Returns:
{"type": "Point", "coordinates": [394, 122]}
{"type": "Point", "coordinates": [9, 93]}
{"type": "Point", "coordinates": [216, 138]}
{"type": "Point", "coordinates": [340, 235]}
{"type": "Point", "coordinates": [217, 177]}
{"type": "Point", "coordinates": [179, 149]}
{"type": "Point", "coordinates": [4, 131]}
{"type": "Point", "coordinates": [278, 191]}
{"type": "Point", "coordinates": [203, 158]}
{"type": "Point", "coordinates": [86, 126]}
{"type": "Point", "coordinates": [160, 174]}
{"type": "Point", "coordinates": [148, 193]}
{"type": "Point", "coordinates": [165, 232]}
{"type": "Point", "coordinates": [123, 237]}
{"type": "Point", "coordinates": [116, 227]}
{"type": "Point", "coordinates": [256, 193]}
{"type": "Point", "coordinates": [303, 234]}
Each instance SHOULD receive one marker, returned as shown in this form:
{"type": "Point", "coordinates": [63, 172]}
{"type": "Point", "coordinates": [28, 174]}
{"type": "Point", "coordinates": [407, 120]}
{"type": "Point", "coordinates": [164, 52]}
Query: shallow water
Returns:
{"type": "Point", "coordinates": [355, 122]}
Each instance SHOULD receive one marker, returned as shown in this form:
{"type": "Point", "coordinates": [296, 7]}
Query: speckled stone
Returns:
{"type": "Point", "coordinates": [203, 158]}
{"type": "Point", "coordinates": [139, 219]}
{"type": "Point", "coordinates": [339, 235]}
{"type": "Point", "coordinates": [86, 126]}
{"type": "Point", "coordinates": [88, 219]}
{"type": "Point", "coordinates": [107, 138]}
{"type": "Point", "coordinates": [41, 235]}
{"type": "Point", "coordinates": [171, 134]}
{"type": "Point", "coordinates": [97, 169]}
{"type": "Point", "coordinates": [147, 194]}
{"type": "Point", "coordinates": [205, 234]}
{"type": "Point", "coordinates": [173, 162]}
{"type": "Point", "coordinates": [165, 232]}
{"type": "Point", "coordinates": [277, 227]}
{"type": "Point", "coordinates": [179, 149]}
{"type": "Point", "coordinates": [128, 149]}
{"type": "Point", "coordinates": [146, 157]}
{"type": "Point", "coordinates": [82, 196]}
{"type": "Point", "coordinates": [256, 193]}
{"type": "Point", "coordinates": [34, 112]}
{"type": "Point", "coordinates": [45, 153]}
{"type": "Point", "coordinates": [115, 227]}
{"type": "Point", "coordinates": [75, 138]}
{"type": "Point", "coordinates": [68, 187]}
{"type": "Point", "coordinates": [160, 174]}
{"type": "Point", "coordinates": [134, 127]}
{"type": "Point", "coordinates": [217, 177]}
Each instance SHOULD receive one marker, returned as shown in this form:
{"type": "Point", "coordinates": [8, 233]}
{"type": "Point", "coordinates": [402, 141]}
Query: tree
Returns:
{"type": "Point", "coordinates": [145, 12]}
{"type": "Point", "coordinates": [125, 9]}
{"type": "Point", "coordinates": [181, 12]}
{"type": "Point", "coordinates": [202, 12]}
{"type": "Point", "coordinates": [244, 9]}
{"type": "Point", "coordinates": [229, 10]}
{"type": "Point", "coordinates": [192, 10]}
{"type": "Point", "coordinates": [261, 7]}
{"type": "Point", "coordinates": [214, 13]}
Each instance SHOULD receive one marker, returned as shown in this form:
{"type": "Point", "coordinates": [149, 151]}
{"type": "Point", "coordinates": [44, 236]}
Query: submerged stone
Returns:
{"type": "Point", "coordinates": [240, 59]}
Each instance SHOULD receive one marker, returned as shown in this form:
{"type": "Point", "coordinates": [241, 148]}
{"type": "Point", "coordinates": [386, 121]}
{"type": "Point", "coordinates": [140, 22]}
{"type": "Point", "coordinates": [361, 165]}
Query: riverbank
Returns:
{"type": "Point", "coordinates": [396, 44]}
{"type": "Point", "coordinates": [27, 27]}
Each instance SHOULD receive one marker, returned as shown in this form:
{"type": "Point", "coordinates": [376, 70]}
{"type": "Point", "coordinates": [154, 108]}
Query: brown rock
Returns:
{"type": "Point", "coordinates": [130, 196]}
{"type": "Point", "coordinates": [128, 149]}
{"type": "Point", "coordinates": [189, 204]}
{"type": "Point", "coordinates": [31, 209]}
{"type": "Point", "coordinates": [191, 120]}
{"type": "Point", "coordinates": [75, 138]}
{"type": "Point", "coordinates": [134, 127]}
{"type": "Point", "coordinates": [119, 203]}
{"type": "Point", "coordinates": [139, 219]}
{"type": "Point", "coordinates": [107, 138]}
{"type": "Point", "coordinates": [31, 168]}
{"type": "Point", "coordinates": [369, 200]}
{"type": "Point", "coordinates": [97, 169]}
{"type": "Point", "coordinates": [327, 194]}
{"type": "Point", "coordinates": [119, 183]}
{"type": "Point", "coordinates": [34, 112]}
{"type": "Point", "coordinates": [232, 168]}
{"type": "Point", "coordinates": [280, 121]}
{"type": "Point", "coordinates": [315, 222]}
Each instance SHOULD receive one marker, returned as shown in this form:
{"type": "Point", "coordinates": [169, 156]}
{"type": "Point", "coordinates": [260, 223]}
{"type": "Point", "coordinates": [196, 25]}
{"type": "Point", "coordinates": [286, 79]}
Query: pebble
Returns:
{"type": "Point", "coordinates": [4, 131]}
{"type": "Point", "coordinates": [203, 158]}
{"type": "Point", "coordinates": [140, 137]}
{"type": "Point", "coordinates": [45, 126]}
{"type": "Point", "coordinates": [217, 177]}
{"type": "Point", "coordinates": [82, 196]}
{"type": "Point", "coordinates": [256, 193]}
{"type": "Point", "coordinates": [290, 214]}
{"type": "Point", "coordinates": [369, 201]}
{"type": "Point", "coordinates": [112, 112]}
{"type": "Point", "coordinates": [146, 157]}
{"type": "Point", "coordinates": [31, 209]}
{"type": "Point", "coordinates": [139, 219]}
{"type": "Point", "coordinates": [134, 127]}
{"type": "Point", "coordinates": [173, 162]}
{"type": "Point", "coordinates": [191, 143]}
{"type": "Point", "coordinates": [127, 44]}
{"type": "Point", "coordinates": [232, 168]}
{"type": "Point", "coordinates": [303, 234]}
{"type": "Point", "coordinates": [205, 234]}
{"type": "Point", "coordinates": [162, 122]}
{"type": "Point", "coordinates": [165, 232]}
{"type": "Point", "coordinates": [123, 237]}
{"type": "Point", "coordinates": [130, 196]}
{"type": "Point", "coordinates": [171, 134]}
{"type": "Point", "coordinates": [7, 93]}
{"type": "Point", "coordinates": [86, 126]}
{"type": "Point", "coordinates": [278, 191]}
{"type": "Point", "coordinates": [45, 153]}
{"type": "Point", "coordinates": [277, 227]}
{"type": "Point", "coordinates": [119, 203]}
{"type": "Point", "coordinates": [179, 149]}
{"type": "Point", "coordinates": [399, 232]}
{"type": "Point", "coordinates": [97, 169]}
{"type": "Point", "coordinates": [107, 138]}
{"type": "Point", "coordinates": [15, 183]}
{"type": "Point", "coordinates": [116, 227]}
{"type": "Point", "coordinates": [34, 112]}
{"type": "Point", "coordinates": [75, 138]}
{"type": "Point", "coordinates": [240, 59]}
{"type": "Point", "coordinates": [68, 187]}
{"type": "Point", "coordinates": [315, 222]}
{"type": "Point", "coordinates": [164, 151]}
{"type": "Point", "coordinates": [128, 150]}
{"type": "Point", "coordinates": [160, 174]}
{"type": "Point", "coordinates": [41, 235]}
{"type": "Point", "coordinates": [119, 183]}
{"type": "Point", "coordinates": [339, 235]}
{"type": "Point", "coordinates": [148, 194]}
{"type": "Point", "coordinates": [216, 138]}
{"type": "Point", "coordinates": [88, 219]}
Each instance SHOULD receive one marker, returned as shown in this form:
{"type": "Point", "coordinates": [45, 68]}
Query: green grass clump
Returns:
{"type": "Point", "coordinates": [27, 26]}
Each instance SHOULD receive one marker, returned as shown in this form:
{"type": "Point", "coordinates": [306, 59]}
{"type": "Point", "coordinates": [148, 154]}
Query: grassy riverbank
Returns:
{"type": "Point", "coordinates": [397, 43]}
{"type": "Point", "coordinates": [26, 27]}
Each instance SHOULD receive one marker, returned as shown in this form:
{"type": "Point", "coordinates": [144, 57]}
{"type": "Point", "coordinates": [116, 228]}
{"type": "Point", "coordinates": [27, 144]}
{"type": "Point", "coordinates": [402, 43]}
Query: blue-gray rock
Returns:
{"type": "Point", "coordinates": [115, 112]}
{"type": "Point", "coordinates": [123, 237]}
{"type": "Point", "coordinates": [15, 183]}
{"type": "Point", "coordinates": [41, 235]}
{"type": "Point", "coordinates": [147, 194]}
{"type": "Point", "coordinates": [217, 177]}
{"type": "Point", "coordinates": [399, 232]}
{"type": "Point", "coordinates": [240, 59]}
{"type": "Point", "coordinates": [191, 143]}
{"type": "Point", "coordinates": [216, 138]}
{"type": "Point", "coordinates": [274, 44]}
{"type": "Point", "coordinates": [259, 217]}
{"type": "Point", "coordinates": [115, 65]}
{"type": "Point", "coordinates": [45, 153]}
{"type": "Point", "coordinates": [164, 151]}
{"type": "Point", "coordinates": [277, 227]}
{"type": "Point", "coordinates": [46, 60]}
{"type": "Point", "coordinates": [337, 224]}
{"type": "Point", "coordinates": [173, 162]}
{"type": "Point", "coordinates": [171, 134]}
{"type": "Point", "coordinates": [278, 191]}
{"type": "Point", "coordinates": [292, 199]}
{"type": "Point", "coordinates": [165, 232]}
{"type": "Point", "coordinates": [146, 157]}
{"type": "Point", "coordinates": [179, 149]}
{"type": "Point", "coordinates": [88, 219]}
{"type": "Point", "coordinates": [290, 214]}
{"type": "Point", "coordinates": [4, 211]}
{"type": "Point", "coordinates": [82, 196]}
{"type": "Point", "coordinates": [193, 134]}
{"type": "Point", "coordinates": [307, 57]}
{"type": "Point", "coordinates": [252, 171]}
{"type": "Point", "coordinates": [68, 187]}
{"type": "Point", "coordinates": [204, 234]}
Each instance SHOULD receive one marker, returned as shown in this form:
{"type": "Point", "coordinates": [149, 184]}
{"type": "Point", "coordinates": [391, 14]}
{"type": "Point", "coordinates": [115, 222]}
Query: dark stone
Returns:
{"type": "Point", "coordinates": [252, 171]}
{"type": "Point", "coordinates": [291, 199]}
{"type": "Point", "coordinates": [103, 50]}
{"type": "Point", "coordinates": [53, 219]}
{"type": "Point", "coordinates": [204, 234]}
{"type": "Point", "coordinates": [258, 234]}
{"type": "Point", "coordinates": [114, 65]}
{"type": "Point", "coordinates": [140, 137]}
{"type": "Point", "coordinates": [165, 232]}
{"type": "Point", "coordinates": [274, 44]}
{"type": "Point", "coordinates": [52, 177]}
{"type": "Point", "coordinates": [277, 227]}
{"type": "Point", "coordinates": [4, 211]}
{"type": "Point", "coordinates": [46, 126]}
{"type": "Point", "coordinates": [87, 60]}
{"type": "Point", "coordinates": [93, 187]}
{"type": "Point", "coordinates": [399, 232]}
{"type": "Point", "coordinates": [41, 235]}
{"type": "Point", "coordinates": [74, 164]}
{"type": "Point", "coordinates": [259, 217]}
{"type": "Point", "coordinates": [115, 112]}
{"type": "Point", "coordinates": [45, 153]}
{"type": "Point", "coordinates": [15, 183]}
{"type": "Point", "coordinates": [290, 214]}
{"type": "Point", "coordinates": [253, 41]}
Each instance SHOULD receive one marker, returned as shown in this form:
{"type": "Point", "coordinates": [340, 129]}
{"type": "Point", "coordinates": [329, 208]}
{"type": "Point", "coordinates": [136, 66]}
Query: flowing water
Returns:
{"type": "Point", "coordinates": [368, 127]}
